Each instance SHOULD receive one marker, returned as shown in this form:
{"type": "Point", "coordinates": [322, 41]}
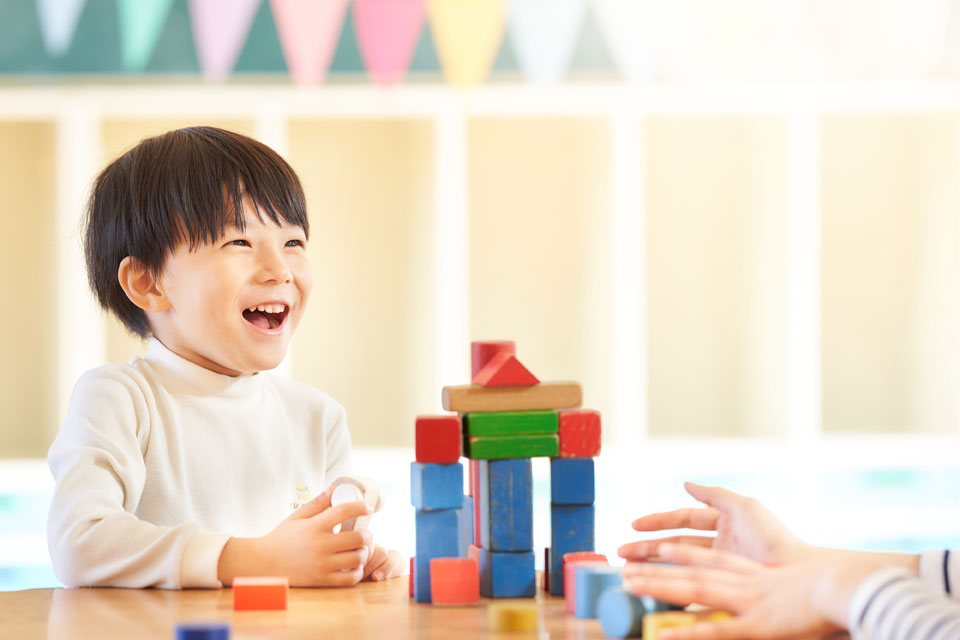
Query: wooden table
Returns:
{"type": "Point", "coordinates": [369, 610]}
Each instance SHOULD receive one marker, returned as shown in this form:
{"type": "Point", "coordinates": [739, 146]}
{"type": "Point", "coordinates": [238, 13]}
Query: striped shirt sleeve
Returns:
{"type": "Point", "coordinates": [940, 570]}
{"type": "Point", "coordinates": [894, 604]}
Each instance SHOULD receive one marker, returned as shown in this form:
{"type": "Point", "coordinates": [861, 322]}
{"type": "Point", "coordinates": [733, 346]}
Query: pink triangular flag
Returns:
{"type": "Point", "coordinates": [309, 31]}
{"type": "Point", "coordinates": [387, 34]}
{"type": "Point", "coordinates": [220, 29]}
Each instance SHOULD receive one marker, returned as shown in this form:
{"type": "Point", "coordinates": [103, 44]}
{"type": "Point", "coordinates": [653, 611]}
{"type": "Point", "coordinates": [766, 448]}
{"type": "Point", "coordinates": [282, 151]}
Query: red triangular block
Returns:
{"type": "Point", "coordinates": [504, 370]}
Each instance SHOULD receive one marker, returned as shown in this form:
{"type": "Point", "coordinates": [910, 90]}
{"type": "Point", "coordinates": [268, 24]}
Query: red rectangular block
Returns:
{"type": "Point", "coordinates": [475, 486]}
{"type": "Point", "coordinates": [546, 569]}
{"type": "Point", "coordinates": [454, 581]}
{"type": "Point", "coordinates": [579, 432]}
{"type": "Point", "coordinates": [439, 439]}
{"type": "Point", "coordinates": [411, 576]}
{"type": "Point", "coordinates": [259, 593]}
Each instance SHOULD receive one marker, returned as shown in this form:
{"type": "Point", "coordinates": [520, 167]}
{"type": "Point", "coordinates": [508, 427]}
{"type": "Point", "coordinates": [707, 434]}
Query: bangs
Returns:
{"type": "Point", "coordinates": [192, 188]}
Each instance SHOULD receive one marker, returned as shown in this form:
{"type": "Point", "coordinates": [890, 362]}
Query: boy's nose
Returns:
{"type": "Point", "coordinates": [273, 268]}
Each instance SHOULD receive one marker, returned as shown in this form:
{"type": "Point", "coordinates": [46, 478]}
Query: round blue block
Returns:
{"type": "Point", "coordinates": [621, 613]}
{"type": "Point", "coordinates": [590, 583]}
{"type": "Point", "coordinates": [203, 631]}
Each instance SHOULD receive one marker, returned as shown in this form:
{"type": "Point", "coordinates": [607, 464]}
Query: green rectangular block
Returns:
{"type": "Point", "coordinates": [511, 423]}
{"type": "Point", "coordinates": [503, 447]}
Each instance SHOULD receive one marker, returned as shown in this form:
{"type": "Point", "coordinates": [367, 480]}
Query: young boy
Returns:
{"type": "Point", "coordinates": [181, 468]}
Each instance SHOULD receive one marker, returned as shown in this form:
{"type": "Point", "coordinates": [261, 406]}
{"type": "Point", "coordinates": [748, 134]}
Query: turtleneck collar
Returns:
{"type": "Point", "coordinates": [184, 377]}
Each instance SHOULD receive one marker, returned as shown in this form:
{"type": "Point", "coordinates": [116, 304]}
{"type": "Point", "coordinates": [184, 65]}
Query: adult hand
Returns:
{"type": "Point", "coordinates": [383, 564]}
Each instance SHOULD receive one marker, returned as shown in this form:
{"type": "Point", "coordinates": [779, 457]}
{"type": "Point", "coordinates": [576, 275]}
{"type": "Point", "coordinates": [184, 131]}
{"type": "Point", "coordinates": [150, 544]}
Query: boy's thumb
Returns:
{"type": "Point", "coordinates": [309, 509]}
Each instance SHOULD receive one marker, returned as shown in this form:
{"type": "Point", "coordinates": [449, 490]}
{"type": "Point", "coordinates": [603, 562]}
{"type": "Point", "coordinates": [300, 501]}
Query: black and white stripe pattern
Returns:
{"type": "Point", "coordinates": [894, 604]}
{"type": "Point", "coordinates": [940, 570]}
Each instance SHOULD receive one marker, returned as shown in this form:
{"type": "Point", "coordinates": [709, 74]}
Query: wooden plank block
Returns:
{"type": "Point", "coordinates": [572, 481]}
{"type": "Point", "coordinates": [436, 486]}
{"type": "Point", "coordinates": [510, 423]}
{"type": "Point", "coordinates": [502, 447]}
{"type": "Point", "coordinates": [571, 529]}
{"type": "Point", "coordinates": [579, 431]}
{"type": "Point", "coordinates": [540, 397]}
{"type": "Point", "coordinates": [506, 505]}
{"type": "Point", "coordinates": [504, 370]}
{"type": "Point", "coordinates": [482, 351]}
{"type": "Point", "coordinates": [260, 593]}
{"type": "Point", "coordinates": [507, 575]}
{"type": "Point", "coordinates": [438, 439]}
{"type": "Point", "coordinates": [437, 537]}
{"type": "Point", "coordinates": [454, 581]}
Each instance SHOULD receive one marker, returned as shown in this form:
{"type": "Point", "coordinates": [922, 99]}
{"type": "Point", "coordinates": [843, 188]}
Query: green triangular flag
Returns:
{"type": "Point", "coordinates": [141, 22]}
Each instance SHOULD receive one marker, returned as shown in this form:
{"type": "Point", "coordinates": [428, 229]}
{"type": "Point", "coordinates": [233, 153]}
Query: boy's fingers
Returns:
{"type": "Point", "coordinates": [702, 519]}
{"type": "Point", "coordinates": [694, 555]}
{"type": "Point", "coordinates": [734, 629]}
{"type": "Point", "coordinates": [349, 560]}
{"type": "Point", "coordinates": [717, 497]}
{"type": "Point", "coordinates": [376, 562]}
{"type": "Point", "coordinates": [345, 578]}
{"type": "Point", "coordinates": [309, 509]}
{"type": "Point", "coordinates": [649, 548]}
{"type": "Point", "coordinates": [336, 515]}
{"type": "Point", "coordinates": [352, 540]}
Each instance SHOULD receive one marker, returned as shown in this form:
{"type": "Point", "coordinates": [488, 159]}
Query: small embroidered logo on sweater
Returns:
{"type": "Point", "coordinates": [303, 496]}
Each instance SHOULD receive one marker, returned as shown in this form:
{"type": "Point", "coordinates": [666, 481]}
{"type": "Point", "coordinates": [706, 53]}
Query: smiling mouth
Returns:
{"type": "Point", "coordinates": [266, 316]}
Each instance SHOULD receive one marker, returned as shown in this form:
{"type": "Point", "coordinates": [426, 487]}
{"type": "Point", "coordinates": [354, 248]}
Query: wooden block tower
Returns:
{"type": "Point", "coordinates": [505, 418]}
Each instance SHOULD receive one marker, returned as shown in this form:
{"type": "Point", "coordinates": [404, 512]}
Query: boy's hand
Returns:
{"type": "Point", "coordinates": [743, 526]}
{"type": "Point", "coordinates": [304, 548]}
{"type": "Point", "coordinates": [383, 564]}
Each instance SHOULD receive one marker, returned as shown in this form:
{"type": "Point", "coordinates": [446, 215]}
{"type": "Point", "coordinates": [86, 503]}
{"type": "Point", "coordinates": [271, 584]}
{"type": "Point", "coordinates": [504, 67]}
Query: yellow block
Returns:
{"type": "Point", "coordinates": [467, 35]}
{"type": "Point", "coordinates": [653, 622]}
{"type": "Point", "coordinates": [719, 616]}
{"type": "Point", "coordinates": [509, 616]}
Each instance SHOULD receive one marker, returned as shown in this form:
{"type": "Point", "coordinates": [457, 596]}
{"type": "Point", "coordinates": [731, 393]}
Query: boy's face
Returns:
{"type": "Point", "coordinates": [235, 303]}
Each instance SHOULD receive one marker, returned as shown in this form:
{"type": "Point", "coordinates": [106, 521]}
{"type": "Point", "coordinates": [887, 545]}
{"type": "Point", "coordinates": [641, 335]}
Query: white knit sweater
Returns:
{"type": "Point", "coordinates": [161, 461]}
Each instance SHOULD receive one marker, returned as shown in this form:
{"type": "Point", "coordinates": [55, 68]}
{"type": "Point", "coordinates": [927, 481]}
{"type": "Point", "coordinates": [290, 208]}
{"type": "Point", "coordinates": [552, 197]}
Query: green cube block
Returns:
{"type": "Point", "coordinates": [503, 447]}
{"type": "Point", "coordinates": [511, 423]}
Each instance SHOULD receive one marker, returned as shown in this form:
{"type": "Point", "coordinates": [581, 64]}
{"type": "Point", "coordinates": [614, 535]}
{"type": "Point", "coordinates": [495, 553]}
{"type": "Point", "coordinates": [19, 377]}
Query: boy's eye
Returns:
{"type": "Point", "coordinates": [295, 243]}
{"type": "Point", "coordinates": [238, 243]}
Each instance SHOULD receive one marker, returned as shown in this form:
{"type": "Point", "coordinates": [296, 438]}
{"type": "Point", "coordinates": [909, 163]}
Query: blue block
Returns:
{"type": "Point", "coordinates": [435, 487]}
{"type": "Point", "coordinates": [438, 536]}
{"type": "Point", "coordinates": [507, 575]}
{"type": "Point", "coordinates": [571, 529]}
{"type": "Point", "coordinates": [506, 504]}
{"type": "Point", "coordinates": [621, 613]}
{"type": "Point", "coordinates": [590, 583]}
{"type": "Point", "coordinates": [571, 481]}
{"type": "Point", "coordinates": [465, 515]}
{"type": "Point", "coordinates": [203, 631]}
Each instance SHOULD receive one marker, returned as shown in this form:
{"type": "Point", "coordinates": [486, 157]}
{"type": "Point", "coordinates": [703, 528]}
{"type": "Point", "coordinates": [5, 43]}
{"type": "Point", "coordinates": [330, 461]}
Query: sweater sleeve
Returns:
{"type": "Point", "coordinates": [93, 534]}
{"type": "Point", "coordinates": [894, 604]}
{"type": "Point", "coordinates": [940, 569]}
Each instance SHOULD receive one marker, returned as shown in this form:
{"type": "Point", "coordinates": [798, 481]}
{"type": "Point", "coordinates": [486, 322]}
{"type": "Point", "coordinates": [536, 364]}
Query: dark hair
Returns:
{"type": "Point", "coordinates": [182, 186]}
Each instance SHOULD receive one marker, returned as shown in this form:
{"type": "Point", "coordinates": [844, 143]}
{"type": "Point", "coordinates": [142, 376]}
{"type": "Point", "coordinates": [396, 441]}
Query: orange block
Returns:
{"type": "Point", "coordinates": [260, 593]}
{"type": "Point", "coordinates": [504, 370]}
{"type": "Point", "coordinates": [454, 581]}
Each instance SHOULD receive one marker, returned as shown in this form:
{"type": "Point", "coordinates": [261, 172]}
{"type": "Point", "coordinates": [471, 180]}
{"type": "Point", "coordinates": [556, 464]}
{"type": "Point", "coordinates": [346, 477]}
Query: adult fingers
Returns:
{"type": "Point", "coordinates": [703, 519]}
{"type": "Point", "coordinates": [717, 497]}
{"type": "Point", "coordinates": [376, 560]}
{"type": "Point", "coordinates": [660, 571]}
{"type": "Point", "coordinates": [309, 509]}
{"type": "Point", "coordinates": [333, 516]}
{"type": "Point", "coordinates": [650, 548]}
{"type": "Point", "coordinates": [696, 555]}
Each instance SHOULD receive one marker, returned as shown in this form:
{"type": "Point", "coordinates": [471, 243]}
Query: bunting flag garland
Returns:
{"type": "Point", "coordinates": [634, 31]}
{"type": "Point", "coordinates": [309, 31]}
{"type": "Point", "coordinates": [141, 23]}
{"type": "Point", "coordinates": [467, 34]}
{"type": "Point", "coordinates": [387, 35]}
{"type": "Point", "coordinates": [220, 29]}
{"type": "Point", "coordinates": [543, 34]}
{"type": "Point", "coordinates": [58, 22]}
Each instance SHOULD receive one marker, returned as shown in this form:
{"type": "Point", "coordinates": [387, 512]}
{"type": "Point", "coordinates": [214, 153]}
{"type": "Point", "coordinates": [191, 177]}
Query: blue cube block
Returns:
{"type": "Point", "coordinates": [465, 515]}
{"type": "Point", "coordinates": [506, 504]}
{"type": "Point", "coordinates": [571, 529]}
{"type": "Point", "coordinates": [590, 582]}
{"type": "Point", "coordinates": [438, 536]}
{"type": "Point", "coordinates": [571, 481]}
{"type": "Point", "coordinates": [203, 631]}
{"type": "Point", "coordinates": [436, 487]}
{"type": "Point", "coordinates": [507, 575]}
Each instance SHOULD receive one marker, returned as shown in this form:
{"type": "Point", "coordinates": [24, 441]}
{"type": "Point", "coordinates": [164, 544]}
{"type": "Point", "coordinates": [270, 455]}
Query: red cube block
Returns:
{"type": "Point", "coordinates": [454, 581]}
{"type": "Point", "coordinates": [411, 576]}
{"type": "Point", "coordinates": [579, 431]}
{"type": "Point", "coordinates": [439, 439]}
{"type": "Point", "coordinates": [256, 593]}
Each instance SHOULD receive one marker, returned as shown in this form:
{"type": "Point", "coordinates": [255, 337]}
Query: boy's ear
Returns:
{"type": "Point", "coordinates": [141, 286]}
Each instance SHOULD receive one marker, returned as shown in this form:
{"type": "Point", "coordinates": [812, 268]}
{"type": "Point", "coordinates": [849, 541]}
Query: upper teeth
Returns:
{"type": "Point", "coordinates": [269, 308]}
